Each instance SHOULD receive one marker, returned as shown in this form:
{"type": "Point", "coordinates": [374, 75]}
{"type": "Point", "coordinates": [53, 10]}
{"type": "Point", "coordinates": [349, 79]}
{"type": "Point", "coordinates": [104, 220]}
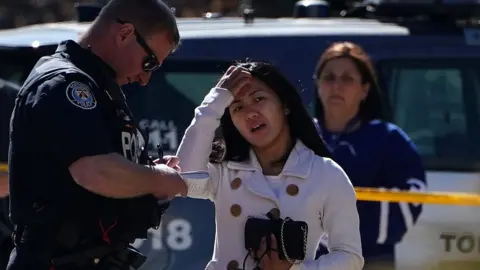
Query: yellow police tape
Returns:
{"type": "Point", "coordinates": [374, 194]}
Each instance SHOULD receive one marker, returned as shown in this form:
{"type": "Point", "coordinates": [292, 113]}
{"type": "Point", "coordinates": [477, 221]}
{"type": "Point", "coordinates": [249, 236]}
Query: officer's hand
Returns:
{"type": "Point", "coordinates": [170, 161]}
{"type": "Point", "coordinates": [170, 184]}
{"type": "Point", "coordinates": [234, 79]}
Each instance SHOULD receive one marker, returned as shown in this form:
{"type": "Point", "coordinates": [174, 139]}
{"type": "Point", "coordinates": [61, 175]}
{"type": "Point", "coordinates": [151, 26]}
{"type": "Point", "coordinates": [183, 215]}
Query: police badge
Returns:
{"type": "Point", "coordinates": [80, 95]}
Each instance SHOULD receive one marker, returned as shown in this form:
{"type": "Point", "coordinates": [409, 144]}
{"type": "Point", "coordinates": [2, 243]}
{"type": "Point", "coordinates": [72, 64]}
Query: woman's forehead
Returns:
{"type": "Point", "coordinates": [343, 64]}
{"type": "Point", "coordinates": [257, 84]}
{"type": "Point", "coordinates": [252, 89]}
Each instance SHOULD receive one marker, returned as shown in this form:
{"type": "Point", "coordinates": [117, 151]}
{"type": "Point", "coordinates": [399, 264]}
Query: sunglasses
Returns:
{"type": "Point", "coordinates": [150, 62]}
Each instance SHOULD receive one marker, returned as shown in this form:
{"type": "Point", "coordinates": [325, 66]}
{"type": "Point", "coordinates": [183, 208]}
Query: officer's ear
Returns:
{"type": "Point", "coordinates": [125, 33]}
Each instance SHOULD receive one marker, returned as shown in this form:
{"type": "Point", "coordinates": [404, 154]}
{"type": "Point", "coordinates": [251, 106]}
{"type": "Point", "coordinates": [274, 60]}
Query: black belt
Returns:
{"type": "Point", "coordinates": [118, 252]}
{"type": "Point", "coordinates": [118, 256]}
{"type": "Point", "coordinates": [88, 256]}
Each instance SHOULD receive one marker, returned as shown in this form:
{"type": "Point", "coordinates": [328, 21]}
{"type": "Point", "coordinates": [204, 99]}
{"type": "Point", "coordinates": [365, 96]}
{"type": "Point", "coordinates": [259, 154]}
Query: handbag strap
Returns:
{"type": "Point", "coordinates": [282, 241]}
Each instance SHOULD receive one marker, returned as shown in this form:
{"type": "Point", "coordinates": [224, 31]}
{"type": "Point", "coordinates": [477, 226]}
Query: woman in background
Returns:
{"type": "Point", "coordinates": [274, 163]}
{"type": "Point", "coordinates": [373, 152]}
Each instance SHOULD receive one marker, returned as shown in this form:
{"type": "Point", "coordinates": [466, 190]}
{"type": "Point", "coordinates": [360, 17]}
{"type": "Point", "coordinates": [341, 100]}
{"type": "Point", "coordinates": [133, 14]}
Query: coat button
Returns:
{"type": "Point", "coordinates": [232, 265]}
{"type": "Point", "coordinates": [236, 210]}
{"type": "Point", "coordinates": [236, 183]}
{"type": "Point", "coordinates": [275, 212]}
{"type": "Point", "coordinates": [96, 260]}
{"type": "Point", "coordinates": [292, 190]}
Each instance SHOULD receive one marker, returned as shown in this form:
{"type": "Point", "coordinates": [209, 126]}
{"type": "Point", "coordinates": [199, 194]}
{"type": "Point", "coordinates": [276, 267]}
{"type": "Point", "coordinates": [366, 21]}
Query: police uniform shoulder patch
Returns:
{"type": "Point", "coordinates": [80, 95]}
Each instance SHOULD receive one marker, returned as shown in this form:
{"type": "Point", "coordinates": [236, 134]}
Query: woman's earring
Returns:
{"type": "Point", "coordinates": [286, 111]}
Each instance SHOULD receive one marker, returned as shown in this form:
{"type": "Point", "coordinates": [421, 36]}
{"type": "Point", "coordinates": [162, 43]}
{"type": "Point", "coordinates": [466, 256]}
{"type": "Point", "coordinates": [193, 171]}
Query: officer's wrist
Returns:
{"type": "Point", "coordinates": [164, 184]}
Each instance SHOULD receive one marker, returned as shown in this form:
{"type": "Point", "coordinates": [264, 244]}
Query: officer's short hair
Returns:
{"type": "Point", "coordinates": [148, 16]}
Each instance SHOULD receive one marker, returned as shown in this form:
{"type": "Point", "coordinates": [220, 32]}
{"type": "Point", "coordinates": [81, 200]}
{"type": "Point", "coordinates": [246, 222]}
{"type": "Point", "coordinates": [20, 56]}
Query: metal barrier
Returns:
{"type": "Point", "coordinates": [375, 194]}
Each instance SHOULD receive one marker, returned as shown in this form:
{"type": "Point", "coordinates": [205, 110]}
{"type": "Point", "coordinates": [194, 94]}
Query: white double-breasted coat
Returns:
{"type": "Point", "coordinates": [316, 190]}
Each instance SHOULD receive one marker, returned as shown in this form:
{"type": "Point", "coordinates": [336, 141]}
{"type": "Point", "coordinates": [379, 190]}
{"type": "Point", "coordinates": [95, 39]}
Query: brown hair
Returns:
{"type": "Point", "coordinates": [373, 106]}
{"type": "Point", "coordinates": [148, 16]}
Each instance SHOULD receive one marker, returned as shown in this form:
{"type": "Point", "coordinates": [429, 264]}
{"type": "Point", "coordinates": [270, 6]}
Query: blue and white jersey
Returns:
{"type": "Point", "coordinates": [379, 154]}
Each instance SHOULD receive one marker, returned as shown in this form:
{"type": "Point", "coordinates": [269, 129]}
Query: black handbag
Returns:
{"type": "Point", "coordinates": [291, 236]}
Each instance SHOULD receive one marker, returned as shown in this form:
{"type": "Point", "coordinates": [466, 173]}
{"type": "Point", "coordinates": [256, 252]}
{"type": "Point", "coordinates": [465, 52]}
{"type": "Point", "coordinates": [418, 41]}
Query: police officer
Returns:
{"type": "Point", "coordinates": [8, 92]}
{"type": "Point", "coordinates": [78, 198]}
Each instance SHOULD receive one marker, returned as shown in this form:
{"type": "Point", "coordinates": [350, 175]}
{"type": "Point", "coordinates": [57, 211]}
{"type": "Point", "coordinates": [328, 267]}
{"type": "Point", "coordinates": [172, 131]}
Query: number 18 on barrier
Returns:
{"type": "Point", "coordinates": [176, 234]}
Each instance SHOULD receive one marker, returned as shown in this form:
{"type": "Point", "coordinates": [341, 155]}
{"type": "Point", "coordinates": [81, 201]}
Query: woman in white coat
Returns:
{"type": "Point", "coordinates": [275, 163]}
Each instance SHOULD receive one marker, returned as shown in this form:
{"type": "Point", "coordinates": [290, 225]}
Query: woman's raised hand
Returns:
{"type": "Point", "coordinates": [234, 79]}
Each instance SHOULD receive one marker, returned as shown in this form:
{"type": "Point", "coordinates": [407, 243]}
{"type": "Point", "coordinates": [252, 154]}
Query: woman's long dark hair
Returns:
{"type": "Point", "coordinates": [236, 148]}
{"type": "Point", "coordinates": [373, 107]}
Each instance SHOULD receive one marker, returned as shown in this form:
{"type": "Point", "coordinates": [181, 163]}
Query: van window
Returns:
{"type": "Point", "coordinates": [193, 85]}
{"type": "Point", "coordinates": [436, 103]}
{"type": "Point", "coordinates": [165, 107]}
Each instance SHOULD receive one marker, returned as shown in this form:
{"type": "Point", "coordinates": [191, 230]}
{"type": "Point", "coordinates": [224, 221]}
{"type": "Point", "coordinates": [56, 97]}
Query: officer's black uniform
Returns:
{"type": "Point", "coordinates": [68, 108]}
{"type": "Point", "coordinates": [8, 93]}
